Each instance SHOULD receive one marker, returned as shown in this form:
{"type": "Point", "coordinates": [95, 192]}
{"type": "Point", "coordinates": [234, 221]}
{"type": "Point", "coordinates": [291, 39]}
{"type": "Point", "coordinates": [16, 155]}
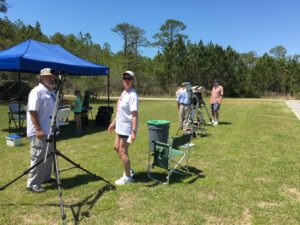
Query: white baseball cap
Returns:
{"type": "Point", "coordinates": [128, 74]}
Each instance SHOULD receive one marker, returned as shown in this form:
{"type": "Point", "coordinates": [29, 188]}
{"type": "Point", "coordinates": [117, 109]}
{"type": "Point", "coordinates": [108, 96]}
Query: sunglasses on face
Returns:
{"type": "Point", "coordinates": [127, 78]}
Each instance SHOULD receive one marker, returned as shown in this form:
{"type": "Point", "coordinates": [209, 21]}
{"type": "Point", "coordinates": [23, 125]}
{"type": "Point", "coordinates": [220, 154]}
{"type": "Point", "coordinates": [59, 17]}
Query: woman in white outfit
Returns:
{"type": "Point", "coordinates": [125, 125]}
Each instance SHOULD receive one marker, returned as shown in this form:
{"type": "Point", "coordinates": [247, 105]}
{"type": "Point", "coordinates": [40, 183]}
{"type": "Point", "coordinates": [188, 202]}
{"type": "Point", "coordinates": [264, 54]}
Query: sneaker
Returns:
{"type": "Point", "coordinates": [131, 173]}
{"type": "Point", "coordinates": [211, 122]}
{"type": "Point", "coordinates": [123, 180]}
{"type": "Point", "coordinates": [215, 123]}
{"type": "Point", "coordinates": [36, 189]}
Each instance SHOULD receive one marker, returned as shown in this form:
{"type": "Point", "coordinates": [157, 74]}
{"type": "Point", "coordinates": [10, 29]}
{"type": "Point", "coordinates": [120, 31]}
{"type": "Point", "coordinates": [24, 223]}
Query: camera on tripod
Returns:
{"type": "Point", "coordinates": [197, 95]}
{"type": "Point", "coordinates": [194, 93]}
{"type": "Point", "coordinates": [59, 79]}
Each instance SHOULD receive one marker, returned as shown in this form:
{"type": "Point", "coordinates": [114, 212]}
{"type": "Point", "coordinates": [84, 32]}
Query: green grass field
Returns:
{"type": "Point", "coordinates": [246, 171]}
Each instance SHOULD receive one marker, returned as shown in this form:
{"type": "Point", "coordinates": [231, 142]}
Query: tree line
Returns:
{"type": "Point", "coordinates": [177, 60]}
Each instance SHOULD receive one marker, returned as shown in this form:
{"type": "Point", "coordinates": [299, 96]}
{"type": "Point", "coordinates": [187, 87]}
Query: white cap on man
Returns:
{"type": "Point", "coordinates": [47, 72]}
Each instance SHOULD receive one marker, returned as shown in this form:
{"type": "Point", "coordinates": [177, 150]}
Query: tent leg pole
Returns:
{"type": "Point", "coordinates": [19, 101]}
{"type": "Point", "coordinates": [108, 90]}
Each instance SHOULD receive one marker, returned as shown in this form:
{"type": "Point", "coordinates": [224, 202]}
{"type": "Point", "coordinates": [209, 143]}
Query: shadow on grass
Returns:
{"type": "Point", "coordinates": [80, 210]}
{"type": "Point", "coordinates": [68, 131]}
{"type": "Point", "coordinates": [21, 131]}
{"type": "Point", "coordinates": [224, 123]}
{"type": "Point", "coordinates": [192, 176]}
{"type": "Point", "coordinates": [78, 180]}
{"type": "Point", "coordinates": [77, 209]}
{"type": "Point", "coordinates": [206, 135]}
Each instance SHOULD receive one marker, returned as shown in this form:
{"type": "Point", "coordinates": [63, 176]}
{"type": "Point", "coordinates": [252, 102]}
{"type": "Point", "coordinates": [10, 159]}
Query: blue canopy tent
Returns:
{"type": "Point", "coordinates": [31, 56]}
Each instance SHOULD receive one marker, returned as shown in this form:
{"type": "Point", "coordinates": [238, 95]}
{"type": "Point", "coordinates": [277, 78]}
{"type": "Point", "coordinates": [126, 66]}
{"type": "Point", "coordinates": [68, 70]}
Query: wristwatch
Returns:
{"type": "Point", "coordinates": [134, 130]}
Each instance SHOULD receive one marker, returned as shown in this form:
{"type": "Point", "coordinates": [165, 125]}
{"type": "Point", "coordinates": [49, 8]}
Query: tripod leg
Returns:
{"type": "Point", "coordinates": [78, 166]}
{"type": "Point", "coordinates": [24, 173]}
{"type": "Point", "coordinates": [180, 119]}
{"type": "Point", "coordinates": [63, 215]}
{"type": "Point", "coordinates": [202, 123]}
{"type": "Point", "coordinates": [207, 113]}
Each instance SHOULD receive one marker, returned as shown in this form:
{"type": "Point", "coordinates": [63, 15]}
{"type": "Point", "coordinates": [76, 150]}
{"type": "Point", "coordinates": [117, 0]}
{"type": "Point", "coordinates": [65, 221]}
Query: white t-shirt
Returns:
{"type": "Point", "coordinates": [41, 100]}
{"type": "Point", "coordinates": [128, 102]}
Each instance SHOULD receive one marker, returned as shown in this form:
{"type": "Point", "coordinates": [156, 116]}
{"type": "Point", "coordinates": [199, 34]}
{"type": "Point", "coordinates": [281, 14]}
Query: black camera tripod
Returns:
{"type": "Point", "coordinates": [55, 153]}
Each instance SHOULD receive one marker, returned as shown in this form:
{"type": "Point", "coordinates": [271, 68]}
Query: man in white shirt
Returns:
{"type": "Point", "coordinates": [39, 111]}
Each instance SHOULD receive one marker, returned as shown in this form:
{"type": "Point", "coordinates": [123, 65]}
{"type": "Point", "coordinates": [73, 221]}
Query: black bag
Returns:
{"type": "Point", "coordinates": [84, 119]}
{"type": "Point", "coordinates": [103, 117]}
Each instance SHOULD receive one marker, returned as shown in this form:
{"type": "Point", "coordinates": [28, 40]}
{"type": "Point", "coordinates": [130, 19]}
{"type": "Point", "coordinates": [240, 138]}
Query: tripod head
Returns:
{"type": "Point", "coordinates": [59, 80]}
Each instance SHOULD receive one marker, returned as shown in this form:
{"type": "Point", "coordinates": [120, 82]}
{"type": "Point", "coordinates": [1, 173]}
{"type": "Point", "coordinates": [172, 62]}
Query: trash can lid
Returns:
{"type": "Point", "coordinates": [158, 122]}
{"type": "Point", "coordinates": [13, 136]}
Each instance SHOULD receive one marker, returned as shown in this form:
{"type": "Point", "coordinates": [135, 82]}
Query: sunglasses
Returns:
{"type": "Point", "coordinates": [127, 78]}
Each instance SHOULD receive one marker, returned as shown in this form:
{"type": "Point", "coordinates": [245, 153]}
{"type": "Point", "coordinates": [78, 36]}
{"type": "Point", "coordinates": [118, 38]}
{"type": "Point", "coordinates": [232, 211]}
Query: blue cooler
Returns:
{"type": "Point", "coordinates": [13, 140]}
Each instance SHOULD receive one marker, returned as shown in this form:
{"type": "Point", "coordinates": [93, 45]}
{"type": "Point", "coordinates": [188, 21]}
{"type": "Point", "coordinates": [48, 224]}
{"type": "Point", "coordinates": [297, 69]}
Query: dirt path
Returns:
{"type": "Point", "coordinates": [294, 105]}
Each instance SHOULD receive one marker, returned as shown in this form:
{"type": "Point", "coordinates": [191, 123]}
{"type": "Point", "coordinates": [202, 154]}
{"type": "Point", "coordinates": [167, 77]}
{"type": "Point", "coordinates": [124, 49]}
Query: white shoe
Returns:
{"type": "Point", "coordinates": [211, 123]}
{"type": "Point", "coordinates": [131, 173]}
{"type": "Point", "coordinates": [215, 123]}
{"type": "Point", "coordinates": [123, 180]}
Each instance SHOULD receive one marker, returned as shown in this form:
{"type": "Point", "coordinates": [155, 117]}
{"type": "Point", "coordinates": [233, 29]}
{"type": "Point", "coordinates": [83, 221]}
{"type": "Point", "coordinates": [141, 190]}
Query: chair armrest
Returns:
{"type": "Point", "coordinates": [161, 143]}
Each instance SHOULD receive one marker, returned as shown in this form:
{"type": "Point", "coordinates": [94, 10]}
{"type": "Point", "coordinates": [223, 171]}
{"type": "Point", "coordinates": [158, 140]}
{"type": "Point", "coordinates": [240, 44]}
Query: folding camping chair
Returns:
{"type": "Point", "coordinates": [14, 115]}
{"type": "Point", "coordinates": [169, 156]}
{"type": "Point", "coordinates": [62, 117]}
{"type": "Point", "coordinates": [183, 143]}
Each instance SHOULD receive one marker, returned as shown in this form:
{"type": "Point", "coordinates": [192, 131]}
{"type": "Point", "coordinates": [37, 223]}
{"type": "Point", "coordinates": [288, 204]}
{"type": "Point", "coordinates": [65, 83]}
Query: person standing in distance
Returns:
{"type": "Point", "coordinates": [39, 111]}
{"type": "Point", "coordinates": [215, 101]}
{"type": "Point", "coordinates": [125, 125]}
{"type": "Point", "coordinates": [77, 109]}
{"type": "Point", "coordinates": [184, 107]}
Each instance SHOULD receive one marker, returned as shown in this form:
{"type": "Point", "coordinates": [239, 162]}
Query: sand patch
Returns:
{"type": "Point", "coordinates": [36, 218]}
{"type": "Point", "coordinates": [292, 193]}
{"type": "Point", "coordinates": [127, 201]}
{"type": "Point", "coordinates": [246, 217]}
{"type": "Point", "coordinates": [262, 179]}
{"type": "Point", "coordinates": [263, 204]}
{"type": "Point", "coordinates": [213, 220]}
{"type": "Point", "coordinates": [123, 223]}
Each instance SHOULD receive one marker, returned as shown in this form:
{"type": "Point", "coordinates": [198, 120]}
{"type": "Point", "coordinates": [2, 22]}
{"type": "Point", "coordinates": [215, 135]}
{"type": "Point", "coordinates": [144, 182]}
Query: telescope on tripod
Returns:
{"type": "Point", "coordinates": [196, 122]}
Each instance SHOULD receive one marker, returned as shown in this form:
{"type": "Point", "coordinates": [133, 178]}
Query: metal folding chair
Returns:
{"type": "Point", "coordinates": [169, 157]}
{"type": "Point", "coordinates": [15, 115]}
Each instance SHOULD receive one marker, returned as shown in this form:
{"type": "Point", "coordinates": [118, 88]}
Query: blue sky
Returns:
{"type": "Point", "coordinates": [245, 25]}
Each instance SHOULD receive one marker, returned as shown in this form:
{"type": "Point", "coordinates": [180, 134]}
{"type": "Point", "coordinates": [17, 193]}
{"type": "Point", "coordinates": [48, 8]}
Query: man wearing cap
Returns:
{"type": "Point", "coordinates": [215, 101]}
{"type": "Point", "coordinates": [126, 124]}
{"type": "Point", "coordinates": [183, 105]}
{"type": "Point", "coordinates": [39, 111]}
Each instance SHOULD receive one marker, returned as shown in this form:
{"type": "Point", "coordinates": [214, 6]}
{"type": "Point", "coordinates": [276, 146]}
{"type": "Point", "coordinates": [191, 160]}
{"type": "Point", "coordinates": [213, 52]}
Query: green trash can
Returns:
{"type": "Point", "coordinates": [158, 130]}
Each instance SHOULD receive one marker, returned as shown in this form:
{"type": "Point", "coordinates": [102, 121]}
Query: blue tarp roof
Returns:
{"type": "Point", "coordinates": [32, 56]}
